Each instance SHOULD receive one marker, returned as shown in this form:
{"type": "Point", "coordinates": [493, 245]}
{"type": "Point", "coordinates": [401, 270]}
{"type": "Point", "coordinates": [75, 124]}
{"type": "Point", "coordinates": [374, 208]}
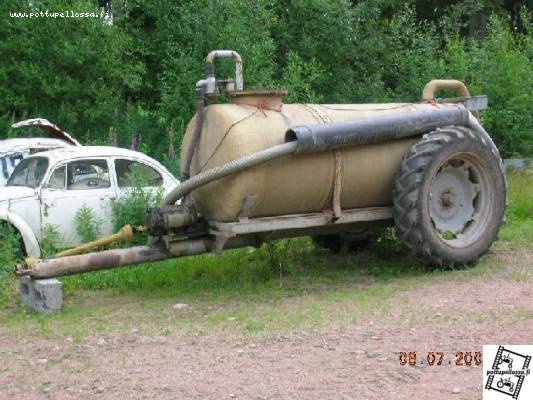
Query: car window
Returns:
{"type": "Point", "coordinates": [87, 174]}
{"type": "Point", "coordinates": [9, 162]}
{"type": "Point", "coordinates": [57, 179]}
{"type": "Point", "coordinates": [133, 173]}
{"type": "Point", "coordinates": [29, 172]}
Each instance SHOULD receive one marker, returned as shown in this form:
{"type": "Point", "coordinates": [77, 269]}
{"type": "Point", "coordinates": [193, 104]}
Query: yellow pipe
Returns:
{"type": "Point", "coordinates": [124, 235]}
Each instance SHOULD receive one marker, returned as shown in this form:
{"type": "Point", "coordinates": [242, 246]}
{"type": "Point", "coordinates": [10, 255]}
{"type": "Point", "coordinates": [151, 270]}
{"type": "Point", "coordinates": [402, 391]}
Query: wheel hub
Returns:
{"type": "Point", "coordinates": [452, 195]}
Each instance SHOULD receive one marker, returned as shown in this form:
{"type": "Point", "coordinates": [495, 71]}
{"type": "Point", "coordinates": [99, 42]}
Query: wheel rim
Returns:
{"type": "Point", "coordinates": [460, 200]}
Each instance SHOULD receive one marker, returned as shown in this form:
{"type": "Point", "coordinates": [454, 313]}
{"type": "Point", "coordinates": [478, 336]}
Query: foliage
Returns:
{"type": "Point", "coordinates": [299, 77]}
{"type": "Point", "coordinates": [87, 224]}
{"type": "Point", "coordinates": [10, 245]}
{"type": "Point", "coordinates": [506, 76]}
{"type": "Point", "coordinates": [73, 71]}
{"type": "Point", "coordinates": [52, 241]}
{"type": "Point", "coordinates": [519, 226]}
{"type": "Point", "coordinates": [137, 76]}
{"type": "Point", "coordinates": [131, 208]}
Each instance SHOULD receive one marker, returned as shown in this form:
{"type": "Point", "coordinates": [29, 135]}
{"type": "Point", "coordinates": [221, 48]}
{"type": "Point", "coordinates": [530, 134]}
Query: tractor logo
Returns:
{"type": "Point", "coordinates": [509, 372]}
{"type": "Point", "coordinates": [505, 359]}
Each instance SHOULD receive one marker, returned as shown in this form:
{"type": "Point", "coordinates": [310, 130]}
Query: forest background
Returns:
{"type": "Point", "coordinates": [107, 83]}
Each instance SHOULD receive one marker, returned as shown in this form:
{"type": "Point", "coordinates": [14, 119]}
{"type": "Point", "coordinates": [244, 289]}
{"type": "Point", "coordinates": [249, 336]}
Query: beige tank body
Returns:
{"type": "Point", "coordinates": [293, 184]}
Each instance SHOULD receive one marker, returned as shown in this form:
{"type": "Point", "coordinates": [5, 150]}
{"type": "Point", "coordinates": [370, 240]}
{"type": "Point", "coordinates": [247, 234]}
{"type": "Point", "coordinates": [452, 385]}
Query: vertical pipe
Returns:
{"type": "Point", "coordinates": [200, 108]}
{"type": "Point", "coordinates": [210, 66]}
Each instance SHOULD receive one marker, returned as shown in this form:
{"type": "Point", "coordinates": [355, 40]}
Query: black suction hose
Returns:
{"type": "Point", "coordinates": [313, 138]}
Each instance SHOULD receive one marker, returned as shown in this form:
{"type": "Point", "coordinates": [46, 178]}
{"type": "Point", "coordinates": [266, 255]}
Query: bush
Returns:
{"type": "Point", "coordinates": [131, 208]}
{"type": "Point", "coordinates": [10, 252]}
{"type": "Point", "coordinates": [505, 74]}
{"type": "Point", "coordinates": [72, 71]}
{"type": "Point", "coordinates": [137, 77]}
{"type": "Point", "coordinates": [87, 224]}
{"type": "Point", "coordinates": [52, 241]}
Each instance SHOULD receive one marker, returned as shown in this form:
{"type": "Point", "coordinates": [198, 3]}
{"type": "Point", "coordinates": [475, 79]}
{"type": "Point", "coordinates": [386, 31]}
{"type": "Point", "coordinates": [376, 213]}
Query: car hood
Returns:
{"type": "Point", "coordinates": [52, 130]}
{"type": "Point", "coordinates": [10, 147]}
{"type": "Point", "coordinates": [15, 192]}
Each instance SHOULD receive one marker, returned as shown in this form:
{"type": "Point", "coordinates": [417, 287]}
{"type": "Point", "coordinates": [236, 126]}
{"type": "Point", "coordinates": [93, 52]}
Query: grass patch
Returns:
{"type": "Point", "coordinates": [247, 274]}
{"type": "Point", "coordinates": [292, 285]}
{"type": "Point", "coordinates": [519, 215]}
{"type": "Point", "coordinates": [282, 286]}
{"type": "Point", "coordinates": [292, 265]}
{"type": "Point", "coordinates": [9, 249]}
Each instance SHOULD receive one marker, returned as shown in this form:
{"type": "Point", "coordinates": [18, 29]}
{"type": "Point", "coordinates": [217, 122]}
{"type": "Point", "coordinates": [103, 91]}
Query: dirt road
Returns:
{"type": "Point", "coordinates": [357, 360]}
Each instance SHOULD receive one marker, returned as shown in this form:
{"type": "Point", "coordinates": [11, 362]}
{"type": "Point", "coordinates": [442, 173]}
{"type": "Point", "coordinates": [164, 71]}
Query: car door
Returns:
{"type": "Point", "coordinates": [74, 184]}
{"type": "Point", "coordinates": [132, 174]}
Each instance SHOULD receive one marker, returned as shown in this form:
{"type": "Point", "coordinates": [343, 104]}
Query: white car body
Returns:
{"type": "Point", "coordinates": [94, 176]}
{"type": "Point", "coordinates": [12, 151]}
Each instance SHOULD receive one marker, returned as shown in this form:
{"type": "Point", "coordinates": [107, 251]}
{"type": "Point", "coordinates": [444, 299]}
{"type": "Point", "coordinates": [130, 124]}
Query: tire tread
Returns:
{"type": "Point", "coordinates": [407, 186]}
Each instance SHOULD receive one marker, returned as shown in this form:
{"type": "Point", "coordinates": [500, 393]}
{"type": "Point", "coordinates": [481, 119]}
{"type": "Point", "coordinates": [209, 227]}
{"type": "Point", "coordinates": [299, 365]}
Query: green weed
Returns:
{"type": "Point", "coordinates": [52, 241]}
{"type": "Point", "coordinates": [131, 208]}
{"type": "Point", "coordinates": [87, 224]}
{"type": "Point", "coordinates": [10, 252]}
{"type": "Point", "coordinates": [519, 226]}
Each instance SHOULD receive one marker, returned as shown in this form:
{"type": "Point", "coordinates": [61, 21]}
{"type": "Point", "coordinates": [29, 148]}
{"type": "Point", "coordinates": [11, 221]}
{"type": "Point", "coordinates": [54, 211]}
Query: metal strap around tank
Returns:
{"type": "Point", "coordinates": [323, 118]}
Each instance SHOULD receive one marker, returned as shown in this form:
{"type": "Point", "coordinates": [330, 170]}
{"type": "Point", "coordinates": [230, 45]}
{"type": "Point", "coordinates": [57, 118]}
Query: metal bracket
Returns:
{"type": "Point", "coordinates": [247, 204]}
{"type": "Point", "coordinates": [300, 221]}
{"type": "Point", "coordinates": [472, 103]}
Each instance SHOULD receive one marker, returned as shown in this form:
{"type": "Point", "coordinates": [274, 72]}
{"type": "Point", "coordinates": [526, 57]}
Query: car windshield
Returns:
{"type": "Point", "coordinates": [29, 172]}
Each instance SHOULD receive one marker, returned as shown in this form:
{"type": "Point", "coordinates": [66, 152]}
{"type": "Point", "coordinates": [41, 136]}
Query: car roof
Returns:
{"type": "Point", "coordinates": [17, 145]}
{"type": "Point", "coordinates": [91, 151]}
{"type": "Point", "coordinates": [72, 152]}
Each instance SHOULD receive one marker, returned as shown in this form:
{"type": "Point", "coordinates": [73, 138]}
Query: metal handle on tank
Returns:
{"type": "Point", "coordinates": [435, 85]}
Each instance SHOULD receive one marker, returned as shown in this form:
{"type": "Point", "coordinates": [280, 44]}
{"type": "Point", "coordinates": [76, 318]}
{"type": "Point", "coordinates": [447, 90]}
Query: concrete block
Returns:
{"type": "Point", "coordinates": [41, 295]}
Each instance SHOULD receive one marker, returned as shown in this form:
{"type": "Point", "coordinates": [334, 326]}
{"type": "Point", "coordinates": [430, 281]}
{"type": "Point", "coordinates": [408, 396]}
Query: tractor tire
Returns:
{"type": "Point", "coordinates": [336, 242]}
{"type": "Point", "coordinates": [450, 197]}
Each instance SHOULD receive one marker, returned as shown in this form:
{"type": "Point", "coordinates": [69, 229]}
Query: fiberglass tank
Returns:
{"type": "Point", "coordinates": [296, 184]}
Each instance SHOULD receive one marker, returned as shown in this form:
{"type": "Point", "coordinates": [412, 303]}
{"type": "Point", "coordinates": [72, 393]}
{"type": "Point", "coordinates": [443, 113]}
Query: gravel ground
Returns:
{"type": "Point", "coordinates": [355, 361]}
